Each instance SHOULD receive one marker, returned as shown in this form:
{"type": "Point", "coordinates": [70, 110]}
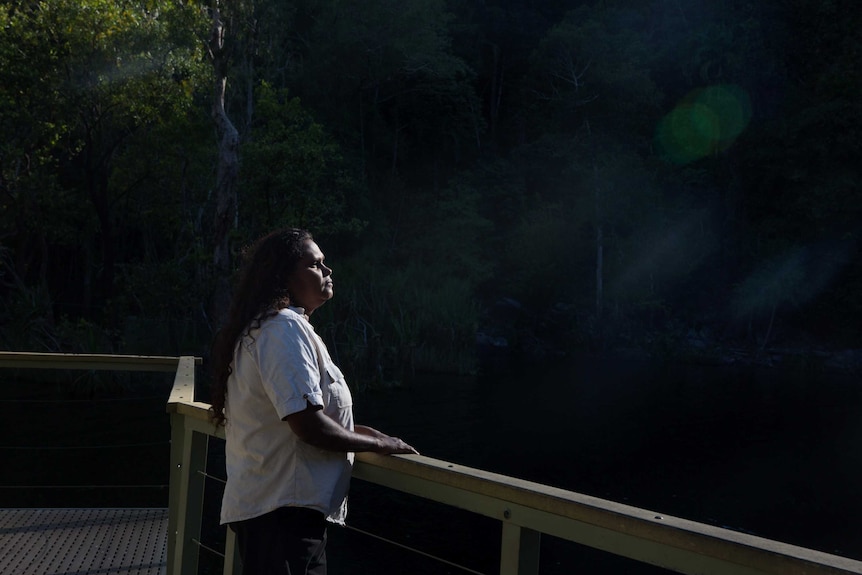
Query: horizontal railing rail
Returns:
{"type": "Point", "coordinates": [524, 508]}
{"type": "Point", "coordinates": [87, 361]}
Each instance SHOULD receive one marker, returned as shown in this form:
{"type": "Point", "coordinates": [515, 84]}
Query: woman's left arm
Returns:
{"type": "Point", "coordinates": [369, 431]}
{"type": "Point", "coordinates": [312, 426]}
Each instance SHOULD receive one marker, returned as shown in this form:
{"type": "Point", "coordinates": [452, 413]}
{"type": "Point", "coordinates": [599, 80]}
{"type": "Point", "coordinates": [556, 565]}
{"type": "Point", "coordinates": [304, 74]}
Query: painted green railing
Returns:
{"type": "Point", "coordinates": [525, 509]}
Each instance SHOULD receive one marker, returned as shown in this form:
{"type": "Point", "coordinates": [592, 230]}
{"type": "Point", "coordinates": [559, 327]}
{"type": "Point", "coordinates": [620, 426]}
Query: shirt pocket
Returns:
{"type": "Point", "coordinates": [338, 389]}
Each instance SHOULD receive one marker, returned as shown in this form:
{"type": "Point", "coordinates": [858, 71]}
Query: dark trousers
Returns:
{"type": "Point", "coordinates": [287, 541]}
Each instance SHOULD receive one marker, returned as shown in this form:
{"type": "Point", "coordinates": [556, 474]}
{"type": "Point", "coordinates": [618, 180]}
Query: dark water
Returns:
{"type": "Point", "coordinates": [776, 454]}
{"type": "Point", "coordinates": [72, 440]}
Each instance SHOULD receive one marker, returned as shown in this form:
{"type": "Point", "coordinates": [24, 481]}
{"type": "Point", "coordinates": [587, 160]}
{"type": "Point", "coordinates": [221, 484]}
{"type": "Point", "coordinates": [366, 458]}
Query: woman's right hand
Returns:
{"type": "Point", "coordinates": [390, 445]}
{"type": "Point", "coordinates": [312, 426]}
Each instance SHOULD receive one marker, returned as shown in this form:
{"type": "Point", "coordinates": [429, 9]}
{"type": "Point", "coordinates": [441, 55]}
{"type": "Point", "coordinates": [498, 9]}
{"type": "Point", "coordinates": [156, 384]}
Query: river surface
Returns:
{"type": "Point", "coordinates": [776, 454]}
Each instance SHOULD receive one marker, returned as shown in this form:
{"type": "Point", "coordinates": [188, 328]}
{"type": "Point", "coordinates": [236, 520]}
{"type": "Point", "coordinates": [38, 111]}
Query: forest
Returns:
{"type": "Point", "coordinates": [524, 177]}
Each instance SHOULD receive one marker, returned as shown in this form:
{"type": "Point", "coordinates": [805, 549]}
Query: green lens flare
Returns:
{"type": "Point", "coordinates": [707, 120]}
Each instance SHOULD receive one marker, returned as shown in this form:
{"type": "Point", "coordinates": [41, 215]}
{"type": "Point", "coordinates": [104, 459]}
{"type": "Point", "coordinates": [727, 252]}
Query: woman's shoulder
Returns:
{"type": "Point", "coordinates": [287, 319]}
{"type": "Point", "coordinates": [283, 319]}
{"type": "Point", "coordinates": [284, 325]}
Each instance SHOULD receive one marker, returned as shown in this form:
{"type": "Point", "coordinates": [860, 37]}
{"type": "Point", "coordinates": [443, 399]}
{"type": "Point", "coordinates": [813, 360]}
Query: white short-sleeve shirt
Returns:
{"type": "Point", "coordinates": [277, 368]}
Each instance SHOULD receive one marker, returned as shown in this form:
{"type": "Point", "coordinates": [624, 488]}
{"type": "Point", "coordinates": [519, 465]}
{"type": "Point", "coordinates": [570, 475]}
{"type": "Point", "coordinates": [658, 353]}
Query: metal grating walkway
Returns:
{"type": "Point", "coordinates": [83, 541]}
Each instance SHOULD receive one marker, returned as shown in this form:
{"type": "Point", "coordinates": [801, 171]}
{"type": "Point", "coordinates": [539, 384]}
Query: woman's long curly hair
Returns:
{"type": "Point", "coordinates": [260, 293]}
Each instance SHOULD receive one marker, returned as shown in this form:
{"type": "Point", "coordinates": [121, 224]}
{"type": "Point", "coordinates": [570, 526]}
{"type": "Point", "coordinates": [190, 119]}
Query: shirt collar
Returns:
{"type": "Point", "coordinates": [299, 310]}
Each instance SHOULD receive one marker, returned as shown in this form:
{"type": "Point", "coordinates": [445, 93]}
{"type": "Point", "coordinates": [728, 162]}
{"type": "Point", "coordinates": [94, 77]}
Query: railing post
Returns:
{"type": "Point", "coordinates": [232, 564]}
{"type": "Point", "coordinates": [176, 489]}
{"type": "Point", "coordinates": [519, 550]}
{"type": "Point", "coordinates": [188, 457]}
{"type": "Point", "coordinates": [190, 501]}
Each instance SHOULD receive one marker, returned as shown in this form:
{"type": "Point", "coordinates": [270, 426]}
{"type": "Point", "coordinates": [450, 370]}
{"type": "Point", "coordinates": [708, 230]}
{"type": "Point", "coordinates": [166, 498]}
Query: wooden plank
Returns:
{"type": "Point", "coordinates": [519, 550]}
{"type": "Point", "coordinates": [88, 361]}
{"type": "Point", "coordinates": [184, 557]}
{"type": "Point", "coordinates": [183, 390]}
{"type": "Point", "coordinates": [683, 545]}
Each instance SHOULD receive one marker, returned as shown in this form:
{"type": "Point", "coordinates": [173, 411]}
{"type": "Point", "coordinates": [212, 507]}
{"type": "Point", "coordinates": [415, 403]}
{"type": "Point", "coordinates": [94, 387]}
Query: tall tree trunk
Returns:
{"type": "Point", "coordinates": [600, 262]}
{"type": "Point", "coordinates": [250, 51]}
{"type": "Point", "coordinates": [226, 174]}
{"type": "Point", "coordinates": [99, 197]}
{"type": "Point", "coordinates": [600, 232]}
{"type": "Point", "coordinates": [96, 178]}
{"type": "Point", "coordinates": [496, 91]}
{"type": "Point", "coordinates": [769, 327]}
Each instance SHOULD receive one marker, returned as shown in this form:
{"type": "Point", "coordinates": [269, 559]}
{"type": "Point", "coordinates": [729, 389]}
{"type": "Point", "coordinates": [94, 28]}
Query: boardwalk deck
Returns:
{"type": "Point", "coordinates": [83, 541]}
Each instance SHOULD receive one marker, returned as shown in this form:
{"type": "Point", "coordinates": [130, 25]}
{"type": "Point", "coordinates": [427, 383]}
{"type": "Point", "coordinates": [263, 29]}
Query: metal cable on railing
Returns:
{"type": "Point", "coordinates": [408, 548]}
{"type": "Point", "coordinates": [207, 548]}
{"type": "Point", "coordinates": [213, 477]}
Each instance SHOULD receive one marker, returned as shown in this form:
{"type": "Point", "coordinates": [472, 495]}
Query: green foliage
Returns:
{"type": "Point", "coordinates": [293, 172]}
{"type": "Point", "coordinates": [380, 40]}
{"type": "Point", "coordinates": [89, 90]}
{"type": "Point", "coordinates": [26, 320]}
{"type": "Point", "coordinates": [445, 233]}
{"type": "Point", "coordinates": [387, 324]}
{"type": "Point", "coordinates": [383, 76]}
{"type": "Point", "coordinates": [414, 305]}
{"type": "Point", "coordinates": [589, 65]}
{"type": "Point", "coordinates": [542, 249]}
{"type": "Point", "coordinates": [445, 154]}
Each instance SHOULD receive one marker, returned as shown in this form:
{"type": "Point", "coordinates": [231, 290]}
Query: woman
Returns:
{"type": "Point", "coordinates": [287, 411]}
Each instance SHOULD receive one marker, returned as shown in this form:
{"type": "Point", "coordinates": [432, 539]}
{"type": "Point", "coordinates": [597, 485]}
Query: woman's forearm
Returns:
{"type": "Point", "coordinates": [319, 430]}
{"type": "Point", "coordinates": [369, 431]}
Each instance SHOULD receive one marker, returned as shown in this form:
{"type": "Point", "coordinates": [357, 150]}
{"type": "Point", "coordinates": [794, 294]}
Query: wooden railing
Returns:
{"type": "Point", "coordinates": [89, 361]}
{"type": "Point", "coordinates": [525, 509]}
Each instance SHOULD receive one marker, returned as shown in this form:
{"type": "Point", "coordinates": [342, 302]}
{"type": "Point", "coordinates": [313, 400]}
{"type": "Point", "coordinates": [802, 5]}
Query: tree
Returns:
{"type": "Point", "coordinates": [383, 76]}
{"type": "Point", "coordinates": [802, 173]}
{"type": "Point", "coordinates": [80, 82]}
{"type": "Point", "coordinates": [227, 165]}
{"type": "Point", "coordinates": [592, 83]}
{"type": "Point", "coordinates": [293, 172]}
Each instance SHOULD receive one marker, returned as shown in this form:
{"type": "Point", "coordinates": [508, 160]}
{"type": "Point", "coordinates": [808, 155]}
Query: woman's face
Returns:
{"type": "Point", "coordinates": [310, 285]}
